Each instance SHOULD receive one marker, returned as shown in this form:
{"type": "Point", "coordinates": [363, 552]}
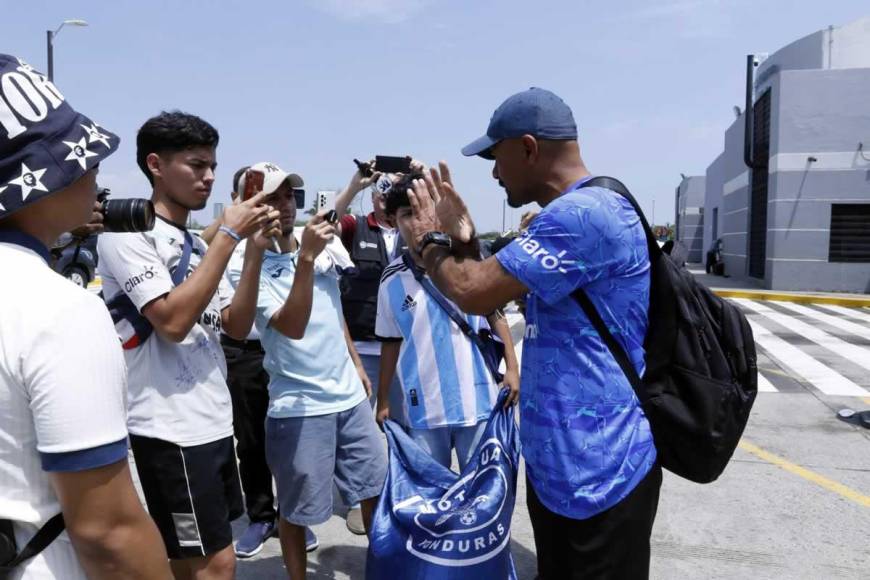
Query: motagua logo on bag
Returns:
{"type": "Point", "coordinates": [469, 523]}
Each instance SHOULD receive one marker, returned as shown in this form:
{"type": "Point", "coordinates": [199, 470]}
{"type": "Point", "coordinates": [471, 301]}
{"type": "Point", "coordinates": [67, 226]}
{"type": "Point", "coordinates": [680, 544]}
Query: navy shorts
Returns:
{"type": "Point", "coordinates": [306, 454]}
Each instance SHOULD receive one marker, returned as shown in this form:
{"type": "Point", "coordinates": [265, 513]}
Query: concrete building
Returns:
{"type": "Point", "coordinates": [800, 218]}
{"type": "Point", "coordinates": [689, 227]}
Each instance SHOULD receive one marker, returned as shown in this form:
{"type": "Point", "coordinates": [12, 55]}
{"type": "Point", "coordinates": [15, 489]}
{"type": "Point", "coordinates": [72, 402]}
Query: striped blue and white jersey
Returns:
{"type": "Point", "coordinates": [444, 378]}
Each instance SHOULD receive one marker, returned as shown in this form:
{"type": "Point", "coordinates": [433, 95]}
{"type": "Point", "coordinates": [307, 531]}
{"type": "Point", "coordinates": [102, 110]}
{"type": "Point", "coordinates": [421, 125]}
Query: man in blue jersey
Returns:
{"type": "Point", "coordinates": [447, 390]}
{"type": "Point", "coordinates": [593, 478]}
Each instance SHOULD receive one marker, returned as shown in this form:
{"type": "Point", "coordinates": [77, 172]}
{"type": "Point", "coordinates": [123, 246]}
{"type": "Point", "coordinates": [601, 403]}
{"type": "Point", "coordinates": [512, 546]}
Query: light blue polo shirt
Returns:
{"type": "Point", "coordinates": [315, 374]}
{"type": "Point", "coordinates": [586, 440]}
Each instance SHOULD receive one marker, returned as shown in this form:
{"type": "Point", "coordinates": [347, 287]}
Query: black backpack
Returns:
{"type": "Point", "coordinates": [701, 376]}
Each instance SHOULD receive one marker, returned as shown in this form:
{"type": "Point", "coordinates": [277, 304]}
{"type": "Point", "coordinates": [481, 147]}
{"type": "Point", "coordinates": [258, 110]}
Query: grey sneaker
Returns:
{"type": "Point", "coordinates": [354, 522]}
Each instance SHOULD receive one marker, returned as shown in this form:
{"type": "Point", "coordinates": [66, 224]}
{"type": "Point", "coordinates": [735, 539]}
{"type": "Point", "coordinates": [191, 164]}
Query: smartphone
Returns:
{"type": "Point", "coordinates": [253, 184]}
{"type": "Point", "coordinates": [387, 164]}
{"type": "Point", "coordinates": [325, 199]}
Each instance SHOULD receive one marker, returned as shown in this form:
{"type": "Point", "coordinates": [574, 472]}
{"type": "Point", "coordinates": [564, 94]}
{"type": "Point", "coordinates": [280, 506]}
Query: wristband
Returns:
{"type": "Point", "coordinates": [231, 233]}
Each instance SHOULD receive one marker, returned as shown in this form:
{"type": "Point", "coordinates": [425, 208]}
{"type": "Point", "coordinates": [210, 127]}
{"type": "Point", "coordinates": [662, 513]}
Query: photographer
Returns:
{"type": "Point", "coordinates": [170, 301]}
{"type": "Point", "coordinates": [63, 435]}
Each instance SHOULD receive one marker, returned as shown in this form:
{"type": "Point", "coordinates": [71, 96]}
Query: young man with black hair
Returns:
{"type": "Point", "coordinates": [63, 433]}
{"type": "Point", "coordinates": [448, 391]}
{"type": "Point", "coordinates": [180, 414]}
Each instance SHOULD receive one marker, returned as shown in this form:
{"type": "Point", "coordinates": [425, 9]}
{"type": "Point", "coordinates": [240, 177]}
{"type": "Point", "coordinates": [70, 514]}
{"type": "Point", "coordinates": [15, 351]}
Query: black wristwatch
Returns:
{"type": "Point", "coordinates": [437, 238]}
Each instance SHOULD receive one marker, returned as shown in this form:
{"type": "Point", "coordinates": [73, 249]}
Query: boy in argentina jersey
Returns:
{"type": "Point", "coordinates": [447, 390]}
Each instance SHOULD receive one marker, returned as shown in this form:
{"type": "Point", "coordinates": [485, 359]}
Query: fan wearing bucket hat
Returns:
{"type": "Point", "coordinates": [63, 433]}
{"type": "Point", "coordinates": [592, 504]}
{"type": "Point", "coordinates": [170, 301]}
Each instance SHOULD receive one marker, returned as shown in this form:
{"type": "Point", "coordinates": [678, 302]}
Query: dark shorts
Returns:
{"type": "Point", "coordinates": [193, 493]}
{"type": "Point", "coordinates": [306, 454]}
{"type": "Point", "coordinates": [612, 544]}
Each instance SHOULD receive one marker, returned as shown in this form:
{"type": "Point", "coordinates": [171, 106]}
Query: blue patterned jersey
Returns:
{"type": "Point", "coordinates": [586, 440]}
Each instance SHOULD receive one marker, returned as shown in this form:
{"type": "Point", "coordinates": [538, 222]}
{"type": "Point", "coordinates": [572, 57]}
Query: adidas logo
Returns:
{"type": "Point", "coordinates": [408, 303]}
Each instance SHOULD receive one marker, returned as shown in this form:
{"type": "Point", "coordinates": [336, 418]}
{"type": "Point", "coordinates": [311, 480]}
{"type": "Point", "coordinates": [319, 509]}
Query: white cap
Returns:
{"type": "Point", "coordinates": [273, 177]}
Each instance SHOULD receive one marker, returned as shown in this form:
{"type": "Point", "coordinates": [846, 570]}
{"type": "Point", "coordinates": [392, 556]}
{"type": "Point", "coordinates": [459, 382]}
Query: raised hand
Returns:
{"type": "Point", "coordinates": [317, 233]}
{"type": "Point", "coordinates": [265, 238]}
{"type": "Point", "coordinates": [248, 217]}
{"type": "Point", "coordinates": [359, 182]}
{"type": "Point", "coordinates": [449, 207]}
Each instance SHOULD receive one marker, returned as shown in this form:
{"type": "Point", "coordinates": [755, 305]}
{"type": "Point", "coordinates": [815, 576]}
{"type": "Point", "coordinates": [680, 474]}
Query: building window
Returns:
{"type": "Point", "coordinates": [850, 232]}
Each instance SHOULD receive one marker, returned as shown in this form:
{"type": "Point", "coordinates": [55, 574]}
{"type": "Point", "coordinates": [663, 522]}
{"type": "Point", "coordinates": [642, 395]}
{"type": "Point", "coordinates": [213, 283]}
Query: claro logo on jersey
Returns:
{"type": "Point", "coordinates": [549, 261]}
{"type": "Point", "coordinates": [134, 281]}
{"type": "Point", "coordinates": [469, 524]}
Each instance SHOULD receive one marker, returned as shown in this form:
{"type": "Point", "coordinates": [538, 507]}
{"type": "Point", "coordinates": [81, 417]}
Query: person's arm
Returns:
{"type": "Point", "coordinates": [498, 324]}
{"type": "Point", "coordinates": [238, 318]}
{"type": "Point", "coordinates": [173, 314]}
{"type": "Point", "coordinates": [292, 317]}
{"type": "Point", "coordinates": [477, 287]}
{"type": "Point", "coordinates": [357, 361]}
{"type": "Point", "coordinates": [389, 359]}
{"type": "Point", "coordinates": [345, 196]}
{"type": "Point", "coordinates": [113, 536]}
{"type": "Point", "coordinates": [211, 231]}
{"type": "Point", "coordinates": [77, 391]}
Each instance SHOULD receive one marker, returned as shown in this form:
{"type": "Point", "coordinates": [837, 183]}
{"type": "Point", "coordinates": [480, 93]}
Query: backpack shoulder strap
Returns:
{"type": "Point", "coordinates": [45, 536]}
{"type": "Point", "coordinates": [582, 298]}
{"type": "Point", "coordinates": [617, 186]}
{"type": "Point", "coordinates": [184, 263]}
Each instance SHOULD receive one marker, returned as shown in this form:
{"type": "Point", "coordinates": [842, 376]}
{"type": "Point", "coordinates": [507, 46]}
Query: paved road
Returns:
{"type": "Point", "coordinates": [793, 504]}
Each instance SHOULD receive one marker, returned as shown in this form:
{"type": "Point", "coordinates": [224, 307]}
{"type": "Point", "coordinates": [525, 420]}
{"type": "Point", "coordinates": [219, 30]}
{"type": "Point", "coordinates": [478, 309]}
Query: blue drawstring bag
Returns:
{"type": "Point", "coordinates": [433, 524]}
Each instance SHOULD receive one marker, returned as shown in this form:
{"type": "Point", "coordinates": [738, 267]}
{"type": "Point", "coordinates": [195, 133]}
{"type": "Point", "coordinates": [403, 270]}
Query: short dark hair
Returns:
{"type": "Point", "coordinates": [238, 176]}
{"type": "Point", "coordinates": [170, 132]}
{"type": "Point", "coordinates": [397, 195]}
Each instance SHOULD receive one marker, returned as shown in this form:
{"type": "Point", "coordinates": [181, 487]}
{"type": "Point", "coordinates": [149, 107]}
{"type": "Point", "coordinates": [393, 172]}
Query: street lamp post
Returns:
{"type": "Point", "coordinates": [49, 39]}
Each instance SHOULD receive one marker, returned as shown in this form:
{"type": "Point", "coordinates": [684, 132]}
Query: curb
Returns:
{"type": "Point", "coordinates": [849, 302]}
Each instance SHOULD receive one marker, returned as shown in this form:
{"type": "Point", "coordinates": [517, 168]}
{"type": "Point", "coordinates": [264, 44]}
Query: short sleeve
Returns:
{"type": "Point", "coordinates": [348, 230]}
{"type": "Point", "coordinates": [268, 303]}
{"type": "Point", "coordinates": [577, 239]}
{"type": "Point", "coordinates": [386, 327]}
{"type": "Point", "coordinates": [76, 379]}
{"type": "Point", "coordinates": [134, 263]}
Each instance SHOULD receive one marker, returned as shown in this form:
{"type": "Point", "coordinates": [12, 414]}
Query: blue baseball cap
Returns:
{"type": "Point", "coordinates": [536, 112]}
{"type": "Point", "coordinates": [45, 145]}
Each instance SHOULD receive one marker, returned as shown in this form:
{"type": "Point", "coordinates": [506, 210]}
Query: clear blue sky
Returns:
{"type": "Point", "coordinates": [312, 84]}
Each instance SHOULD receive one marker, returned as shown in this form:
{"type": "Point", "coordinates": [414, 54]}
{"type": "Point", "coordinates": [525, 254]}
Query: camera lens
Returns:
{"type": "Point", "coordinates": [128, 215]}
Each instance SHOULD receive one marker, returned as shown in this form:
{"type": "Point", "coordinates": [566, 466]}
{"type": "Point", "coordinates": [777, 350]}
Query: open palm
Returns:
{"type": "Point", "coordinates": [449, 207]}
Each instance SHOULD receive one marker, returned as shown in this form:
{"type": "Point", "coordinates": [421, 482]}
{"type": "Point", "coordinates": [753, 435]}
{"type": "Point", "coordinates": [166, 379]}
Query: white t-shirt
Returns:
{"type": "Point", "coordinates": [62, 390]}
{"type": "Point", "coordinates": [178, 391]}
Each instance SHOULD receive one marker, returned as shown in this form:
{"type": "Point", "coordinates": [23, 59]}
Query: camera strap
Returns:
{"type": "Point", "coordinates": [45, 536]}
{"type": "Point", "coordinates": [121, 308]}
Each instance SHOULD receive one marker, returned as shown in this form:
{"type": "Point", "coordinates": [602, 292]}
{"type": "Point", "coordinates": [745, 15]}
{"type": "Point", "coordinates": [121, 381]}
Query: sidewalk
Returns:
{"type": "Point", "coordinates": [753, 290]}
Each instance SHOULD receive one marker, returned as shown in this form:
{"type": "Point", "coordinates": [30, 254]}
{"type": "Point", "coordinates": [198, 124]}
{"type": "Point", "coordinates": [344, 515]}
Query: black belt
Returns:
{"type": "Point", "coordinates": [254, 344]}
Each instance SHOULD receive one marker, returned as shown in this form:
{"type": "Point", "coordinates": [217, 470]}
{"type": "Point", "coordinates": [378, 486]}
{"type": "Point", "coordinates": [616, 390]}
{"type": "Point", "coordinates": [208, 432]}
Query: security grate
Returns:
{"type": "Point", "coordinates": [758, 190]}
{"type": "Point", "coordinates": [850, 232]}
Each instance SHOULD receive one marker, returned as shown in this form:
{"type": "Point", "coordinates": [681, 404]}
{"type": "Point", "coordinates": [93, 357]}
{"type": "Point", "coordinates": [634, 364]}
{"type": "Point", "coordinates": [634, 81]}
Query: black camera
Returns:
{"type": "Point", "coordinates": [125, 215]}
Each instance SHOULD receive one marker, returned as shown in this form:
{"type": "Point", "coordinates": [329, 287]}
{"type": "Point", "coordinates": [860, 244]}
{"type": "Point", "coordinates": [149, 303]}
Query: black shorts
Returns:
{"type": "Point", "coordinates": [193, 493]}
{"type": "Point", "coordinates": [611, 545]}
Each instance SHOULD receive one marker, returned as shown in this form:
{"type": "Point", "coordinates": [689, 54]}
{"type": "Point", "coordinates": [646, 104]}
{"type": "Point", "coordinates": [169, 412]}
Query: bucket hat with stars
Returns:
{"type": "Point", "coordinates": [45, 145]}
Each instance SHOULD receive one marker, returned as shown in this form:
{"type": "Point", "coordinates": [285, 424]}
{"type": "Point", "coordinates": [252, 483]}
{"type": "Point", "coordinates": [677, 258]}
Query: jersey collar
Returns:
{"type": "Point", "coordinates": [20, 238]}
